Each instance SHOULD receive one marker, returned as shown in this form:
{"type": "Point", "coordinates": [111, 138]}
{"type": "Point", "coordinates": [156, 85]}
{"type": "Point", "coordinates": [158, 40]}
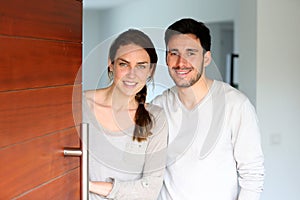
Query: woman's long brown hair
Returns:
{"type": "Point", "coordinates": [143, 119]}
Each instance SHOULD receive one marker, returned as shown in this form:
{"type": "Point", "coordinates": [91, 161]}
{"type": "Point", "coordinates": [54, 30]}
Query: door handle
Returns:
{"type": "Point", "coordinates": [83, 153]}
{"type": "Point", "coordinates": [72, 152]}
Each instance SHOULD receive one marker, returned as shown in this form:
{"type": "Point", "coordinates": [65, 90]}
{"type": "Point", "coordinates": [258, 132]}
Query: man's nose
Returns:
{"type": "Point", "coordinates": [181, 61]}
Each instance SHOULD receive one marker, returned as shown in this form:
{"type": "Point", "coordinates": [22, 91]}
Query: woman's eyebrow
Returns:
{"type": "Point", "coordinates": [126, 61]}
{"type": "Point", "coordinates": [122, 59]}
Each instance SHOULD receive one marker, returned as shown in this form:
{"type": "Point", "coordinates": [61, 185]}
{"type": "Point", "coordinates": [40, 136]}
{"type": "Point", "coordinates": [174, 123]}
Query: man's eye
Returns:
{"type": "Point", "coordinates": [141, 66]}
{"type": "Point", "coordinates": [190, 53]}
{"type": "Point", "coordinates": [173, 53]}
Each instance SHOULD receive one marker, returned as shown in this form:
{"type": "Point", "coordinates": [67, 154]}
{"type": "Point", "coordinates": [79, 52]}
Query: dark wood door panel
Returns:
{"type": "Point", "coordinates": [31, 63]}
{"type": "Point", "coordinates": [27, 114]}
{"type": "Point", "coordinates": [63, 186]}
{"type": "Point", "coordinates": [35, 162]}
{"type": "Point", "coordinates": [40, 98]}
{"type": "Point", "coordinates": [55, 19]}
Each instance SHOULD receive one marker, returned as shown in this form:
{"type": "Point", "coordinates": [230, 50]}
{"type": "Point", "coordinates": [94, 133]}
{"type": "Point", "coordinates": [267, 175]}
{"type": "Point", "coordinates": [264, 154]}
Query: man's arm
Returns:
{"type": "Point", "coordinates": [248, 153]}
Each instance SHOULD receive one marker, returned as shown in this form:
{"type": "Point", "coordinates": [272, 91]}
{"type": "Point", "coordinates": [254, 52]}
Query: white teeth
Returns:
{"type": "Point", "coordinates": [181, 72]}
{"type": "Point", "coordinates": [129, 83]}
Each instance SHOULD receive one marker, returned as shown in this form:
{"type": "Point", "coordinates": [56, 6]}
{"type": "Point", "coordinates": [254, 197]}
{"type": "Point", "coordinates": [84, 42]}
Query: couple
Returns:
{"type": "Point", "coordinates": [198, 140]}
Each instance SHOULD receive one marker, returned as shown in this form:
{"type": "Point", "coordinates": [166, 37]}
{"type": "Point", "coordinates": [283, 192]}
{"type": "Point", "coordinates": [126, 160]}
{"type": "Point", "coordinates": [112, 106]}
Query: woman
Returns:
{"type": "Point", "coordinates": [128, 137]}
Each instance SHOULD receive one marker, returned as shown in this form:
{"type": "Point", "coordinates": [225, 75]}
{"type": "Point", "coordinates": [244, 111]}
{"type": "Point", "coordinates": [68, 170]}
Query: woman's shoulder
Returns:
{"type": "Point", "coordinates": [94, 95]}
{"type": "Point", "coordinates": [154, 109]}
{"type": "Point", "coordinates": [158, 114]}
{"type": "Point", "coordinates": [160, 127]}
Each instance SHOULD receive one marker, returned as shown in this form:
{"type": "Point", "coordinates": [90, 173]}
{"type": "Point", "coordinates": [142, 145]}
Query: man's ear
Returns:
{"type": "Point", "coordinates": [166, 57]}
{"type": "Point", "coordinates": [207, 58]}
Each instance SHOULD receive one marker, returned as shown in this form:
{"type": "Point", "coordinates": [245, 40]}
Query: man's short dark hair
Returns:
{"type": "Point", "coordinates": [190, 26]}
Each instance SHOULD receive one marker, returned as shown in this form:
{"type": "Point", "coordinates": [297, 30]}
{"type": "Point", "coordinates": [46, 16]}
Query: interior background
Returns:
{"type": "Point", "coordinates": [266, 37]}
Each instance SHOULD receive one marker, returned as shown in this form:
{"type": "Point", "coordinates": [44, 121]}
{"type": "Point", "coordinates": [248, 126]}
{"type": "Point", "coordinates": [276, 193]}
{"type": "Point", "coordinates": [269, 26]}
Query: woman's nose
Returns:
{"type": "Point", "coordinates": [131, 72]}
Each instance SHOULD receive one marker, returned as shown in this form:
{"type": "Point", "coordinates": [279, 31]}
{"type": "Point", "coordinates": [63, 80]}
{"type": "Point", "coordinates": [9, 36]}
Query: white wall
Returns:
{"type": "Point", "coordinates": [157, 13]}
{"type": "Point", "coordinates": [278, 95]}
{"type": "Point", "coordinates": [95, 23]}
{"type": "Point", "coordinates": [246, 47]}
{"type": "Point", "coordinates": [94, 58]}
{"type": "Point", "coordinates": [222, 45]}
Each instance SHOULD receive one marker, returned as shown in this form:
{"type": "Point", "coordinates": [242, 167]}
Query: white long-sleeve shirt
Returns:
{"type": "Point", "coordinates": [214, 150]}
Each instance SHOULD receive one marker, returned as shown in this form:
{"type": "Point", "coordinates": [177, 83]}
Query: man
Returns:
{"type": "Point", "coordinates": [214, 148]}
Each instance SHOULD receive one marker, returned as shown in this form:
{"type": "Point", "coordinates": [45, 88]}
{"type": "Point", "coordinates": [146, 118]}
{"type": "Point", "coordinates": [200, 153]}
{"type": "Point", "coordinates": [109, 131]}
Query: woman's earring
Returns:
{"type": "Point", "coordinates": [110, 74]}
{"type": "Point", "coordinates": [149, 79]}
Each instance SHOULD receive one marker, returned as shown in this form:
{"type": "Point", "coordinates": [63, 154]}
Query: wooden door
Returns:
{"type": "Point", "coordinates": [40, 56]}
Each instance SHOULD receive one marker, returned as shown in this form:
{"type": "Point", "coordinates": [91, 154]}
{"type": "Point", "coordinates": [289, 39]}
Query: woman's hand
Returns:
{"type": "Point", "coordinates": [101, 188]}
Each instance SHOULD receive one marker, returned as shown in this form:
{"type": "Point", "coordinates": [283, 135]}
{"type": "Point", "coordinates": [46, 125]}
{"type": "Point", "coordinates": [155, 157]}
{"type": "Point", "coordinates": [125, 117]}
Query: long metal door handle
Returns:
{"type": "Point", "coordinates": [72, 152]}
{"type": "Point", "coordinates": [85, 161]}
{"type": "Point", "coordinates": [83, 153]}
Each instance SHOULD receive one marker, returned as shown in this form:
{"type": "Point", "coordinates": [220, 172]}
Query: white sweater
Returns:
{"type": "Point", "coordinates": [214, 150]}
{"type": "Point", "coordinates": [137, 168]}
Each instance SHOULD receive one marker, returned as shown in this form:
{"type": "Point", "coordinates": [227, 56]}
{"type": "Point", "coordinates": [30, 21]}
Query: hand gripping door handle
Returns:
{"type": "Point", "coordinates": [83, 153]}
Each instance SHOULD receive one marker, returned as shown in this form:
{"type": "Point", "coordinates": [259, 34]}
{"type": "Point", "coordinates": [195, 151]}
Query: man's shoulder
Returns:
{"type": "Point", "coordinates": [233, 97]}
{"type": "Point", "coordinates": [231, 93]}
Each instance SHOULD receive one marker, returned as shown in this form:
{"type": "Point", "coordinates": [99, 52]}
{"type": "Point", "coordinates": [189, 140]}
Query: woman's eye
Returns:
{"type": "Point", "coordinates": [123, 64]}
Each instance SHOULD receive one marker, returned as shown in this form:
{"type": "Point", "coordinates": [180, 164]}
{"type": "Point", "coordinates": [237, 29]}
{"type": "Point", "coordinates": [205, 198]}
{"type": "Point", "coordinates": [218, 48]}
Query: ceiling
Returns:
{"type": "Point", "coordinates": [103, 4]}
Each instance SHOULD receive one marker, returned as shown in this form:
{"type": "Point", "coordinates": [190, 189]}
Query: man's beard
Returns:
{"type": "Point", "coordinates": [190, 82]}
